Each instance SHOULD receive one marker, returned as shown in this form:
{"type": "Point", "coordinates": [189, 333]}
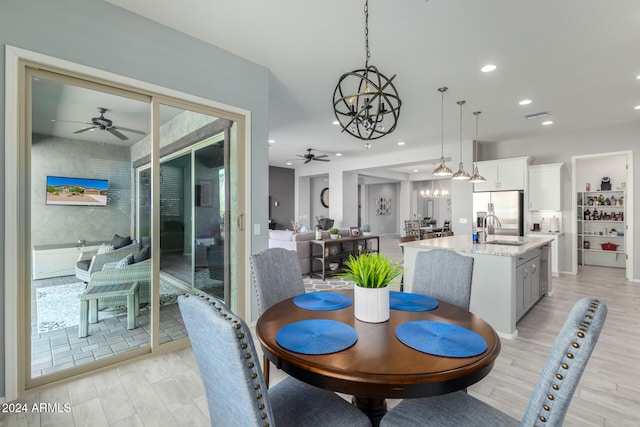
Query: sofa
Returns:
{"type": "Point", "coordinates": [299, 242]}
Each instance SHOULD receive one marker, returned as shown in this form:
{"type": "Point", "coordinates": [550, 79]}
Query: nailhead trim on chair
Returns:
{"type": "Point", "coordinates": [250, 365]}
{"type": "Point", "coordinates": [584, 326]}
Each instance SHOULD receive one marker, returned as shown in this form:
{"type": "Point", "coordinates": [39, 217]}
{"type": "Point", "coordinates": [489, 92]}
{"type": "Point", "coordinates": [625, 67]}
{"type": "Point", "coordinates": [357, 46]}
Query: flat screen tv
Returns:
{"type": "Point", "coordinates": [62, 190]}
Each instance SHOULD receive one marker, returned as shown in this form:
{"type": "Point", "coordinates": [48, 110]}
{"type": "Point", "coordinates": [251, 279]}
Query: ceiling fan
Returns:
{"type": "Point", "coordinates": [102, 123]}
{"type": "Point", "coordinates": [310, 156]}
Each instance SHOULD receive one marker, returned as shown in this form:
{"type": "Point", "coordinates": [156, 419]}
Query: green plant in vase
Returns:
{"type": "Point", "coordinates": [371, 270]}
{"type": "Point", "coordinates": [334, 232]}
{"type": "Point", "coordinates": [372, 273]}
{"type": "Point", "coordinates": [366, 230]}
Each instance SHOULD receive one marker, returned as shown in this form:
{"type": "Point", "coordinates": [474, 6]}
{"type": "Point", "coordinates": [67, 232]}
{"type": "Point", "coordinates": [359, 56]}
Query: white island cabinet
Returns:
{"type": "Point", "coordinates": [507, 280]}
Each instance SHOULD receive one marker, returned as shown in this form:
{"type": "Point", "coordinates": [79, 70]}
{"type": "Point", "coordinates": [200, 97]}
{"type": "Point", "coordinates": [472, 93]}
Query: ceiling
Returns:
{"type": "Point", "coordinates": [572, 58]}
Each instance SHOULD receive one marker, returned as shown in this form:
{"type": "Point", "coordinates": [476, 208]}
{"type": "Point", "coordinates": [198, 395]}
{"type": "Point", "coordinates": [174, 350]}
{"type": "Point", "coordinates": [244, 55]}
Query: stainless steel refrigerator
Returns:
{"type": "Point", "coordinates": [508, 206]}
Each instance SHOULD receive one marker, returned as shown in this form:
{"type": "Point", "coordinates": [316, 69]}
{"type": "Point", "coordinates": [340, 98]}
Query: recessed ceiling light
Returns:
{"type": "Point", "coordinates": [335, 122]}
{"type": "Point", "coordinates": [638, 77]}
{"type": "Point", "coordinates": [338, 154]}
{"type": "Point", "coordinates": [637, 107]}
{"type": "Point", "coordinates": [525, 102]}
{"type": "Point", "coordinates": [272, 141]}
{"type": "Point", "coordinates": [401, 143]}
{"type": "Point", "coordinates": [415, 170]}
{"type": "Point", "coordinates": [488, 68]}
{"type": "Point", "coordinates": [547, 123]}
{"type": "Point", "coordinates": [288, 163]}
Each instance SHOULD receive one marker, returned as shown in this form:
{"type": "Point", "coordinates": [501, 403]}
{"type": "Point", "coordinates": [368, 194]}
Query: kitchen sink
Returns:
{"type": "Point", "coordinates": [506, 242]}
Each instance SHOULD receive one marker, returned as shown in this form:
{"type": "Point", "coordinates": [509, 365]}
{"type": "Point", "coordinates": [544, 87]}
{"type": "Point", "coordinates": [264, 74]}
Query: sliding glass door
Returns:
{"type": "Point", "coordinates": [129, 205]}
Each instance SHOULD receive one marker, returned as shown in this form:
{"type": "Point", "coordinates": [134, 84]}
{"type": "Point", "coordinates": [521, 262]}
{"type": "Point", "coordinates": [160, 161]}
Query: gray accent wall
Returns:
{"type": "Point", "coordinates": [79, 159]}
{"type": "Point", "coordinates": [138, 48]}
{"type": "Point", "coordinates": [281, 191]}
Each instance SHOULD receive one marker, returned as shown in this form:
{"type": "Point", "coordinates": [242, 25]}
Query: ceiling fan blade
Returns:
{"type": "Point", "coordinates": [300, 155]}
{"type": "Point", "coordinates": [307, 161]}
{"type": "Point", "coordinates": [86, 129]}
{"type": "Point", "coordinates": [118, 134]}
{"type": "Point", "coordinates": [322, 160]}
{"type": "Point", "coordinates": [321, 156]}
{"type": "Point", "coordinates": [128, 130]}
{"type": "Point", "coordinates": [70, 121]}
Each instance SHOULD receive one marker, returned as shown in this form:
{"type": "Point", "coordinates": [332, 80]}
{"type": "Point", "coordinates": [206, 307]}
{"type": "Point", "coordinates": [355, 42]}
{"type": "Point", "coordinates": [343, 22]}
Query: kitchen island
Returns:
{"type": "Point", "coordinates": [510, 274]}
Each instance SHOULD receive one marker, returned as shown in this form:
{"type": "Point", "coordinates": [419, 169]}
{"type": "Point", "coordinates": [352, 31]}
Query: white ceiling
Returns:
{"type": "Point", "coordinates": [576, 59]}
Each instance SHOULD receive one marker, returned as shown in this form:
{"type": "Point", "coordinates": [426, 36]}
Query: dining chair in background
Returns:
{"type": "Point", "coordinates": [444, 275]}
{"type": "Point", "coordinates": [404, 239]}
{"type": "Point", "coordinates": [234, 384]}
{"type": "Point", "coordinates": [551, 396]}
{"type": "Point", "coordinates": [276, 276]}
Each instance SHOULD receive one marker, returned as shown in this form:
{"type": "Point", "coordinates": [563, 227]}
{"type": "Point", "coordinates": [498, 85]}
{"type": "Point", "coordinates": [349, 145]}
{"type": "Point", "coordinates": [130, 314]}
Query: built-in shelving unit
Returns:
{"type": "Point", "coordinates": [601, 221]}
{"type": "Point", "coordinates": [337, 251]}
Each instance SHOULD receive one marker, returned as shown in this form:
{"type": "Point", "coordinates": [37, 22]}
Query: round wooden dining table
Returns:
{"type": "Point", "coordinates": [379, 366]}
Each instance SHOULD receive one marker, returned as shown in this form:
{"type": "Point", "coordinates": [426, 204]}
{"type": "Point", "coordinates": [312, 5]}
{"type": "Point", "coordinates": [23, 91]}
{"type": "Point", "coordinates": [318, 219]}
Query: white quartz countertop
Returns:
{"type": "Point", "coordinates": [464, 243]}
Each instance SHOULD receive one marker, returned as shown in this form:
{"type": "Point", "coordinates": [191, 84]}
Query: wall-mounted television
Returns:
{"type": "Point", "coordinates": [63, 190]}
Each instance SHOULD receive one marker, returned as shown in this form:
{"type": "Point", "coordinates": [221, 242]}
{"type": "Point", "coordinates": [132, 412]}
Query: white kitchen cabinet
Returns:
{"type": "Point", "coordinates": [502, 175]}
{"type": "Point", "coordinates": [545, 187]}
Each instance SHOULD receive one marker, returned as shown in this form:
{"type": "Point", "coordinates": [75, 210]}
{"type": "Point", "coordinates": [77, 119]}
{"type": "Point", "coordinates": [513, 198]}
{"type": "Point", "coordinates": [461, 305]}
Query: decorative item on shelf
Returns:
{"type": "Point", "coordinates": [609, 246]}
{"type": "Point", "coordinates": [333, 266]}
{"type": "Point", "coordinates": [587, 186]}
{"type": "Point", "coordinates": [365, 101]}
{"type": "Point", "coordinates": [605, 185]}
{"type": "Point", "coordinates": [318, 233]}
{"type": "Point", "coordinates": [366, 230]}
{"type": "Point", "coordinates": [295, 226]}
{"type": "Point", "coordinates": [372, 273]}
{"type": "Point", "coordinates": [461, 174]}
{"type": "Point", "coordinates": [476, 173]}
{"type": "Point", "coordinates": [334, 232]}
{"type": "Point", "coordinates": [442, 169]}
{"type": "Point", "coordinates": [354, 231]}
{"type": "Point", "coordinates": [586, 244]}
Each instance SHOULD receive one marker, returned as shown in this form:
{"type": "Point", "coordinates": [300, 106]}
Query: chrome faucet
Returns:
{"type": "Point", "coordinates": [484, 226]}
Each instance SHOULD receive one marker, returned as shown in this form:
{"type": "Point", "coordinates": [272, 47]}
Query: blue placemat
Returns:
{"type": "Point", "coordinates": [441, 339]}
{"type": "Point", "coordinates": [322, 301]}
{"type": "Point", "coordinates": [316, 336]}
{"type": "Point", "coordinates": [406, 301]}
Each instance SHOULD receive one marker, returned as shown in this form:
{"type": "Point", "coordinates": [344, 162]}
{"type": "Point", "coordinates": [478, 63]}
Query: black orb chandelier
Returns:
{"type": "Point", "coordinates": [365, 101]}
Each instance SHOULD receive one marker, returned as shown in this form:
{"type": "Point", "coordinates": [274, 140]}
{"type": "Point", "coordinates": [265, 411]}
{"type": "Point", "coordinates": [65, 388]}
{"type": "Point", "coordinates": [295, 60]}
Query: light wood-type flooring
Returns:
{"type": "Point", "coordinates": [166, 390]}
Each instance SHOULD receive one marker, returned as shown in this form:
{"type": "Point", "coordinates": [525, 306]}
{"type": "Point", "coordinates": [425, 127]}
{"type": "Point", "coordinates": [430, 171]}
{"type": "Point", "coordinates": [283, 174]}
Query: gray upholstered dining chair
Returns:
{"type": "Point", "coordinates": [276, 276]}
{"type": "Point", "coordinates": [235, 388]}
{"type": "Point", "coordinates": [444, 275]}
{"type": "Point", "coordinates": [551, 396]}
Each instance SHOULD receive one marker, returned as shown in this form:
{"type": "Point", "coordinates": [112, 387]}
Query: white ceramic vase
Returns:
{"type": "Point", "coordinates": [371, 305]}
{"type": "Point", "coordinates": [334, 236]}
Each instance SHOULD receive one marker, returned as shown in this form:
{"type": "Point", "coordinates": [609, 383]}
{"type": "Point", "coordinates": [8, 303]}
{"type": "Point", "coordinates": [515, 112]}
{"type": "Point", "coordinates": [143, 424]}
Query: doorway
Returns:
{"type": "Point", "coordinates": [602, 211]}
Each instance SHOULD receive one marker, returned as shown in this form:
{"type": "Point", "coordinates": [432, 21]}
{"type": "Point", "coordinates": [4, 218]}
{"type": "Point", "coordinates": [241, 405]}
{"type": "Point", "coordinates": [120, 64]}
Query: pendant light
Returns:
{"type": "Point", "coordinates": [365, 101]}
{"type": "Point", "coordinates": [476, 174]}
{"type": "Point", "coordinates": [443, 169]}
{"type": "Point", "coordinates": [461, 174]}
